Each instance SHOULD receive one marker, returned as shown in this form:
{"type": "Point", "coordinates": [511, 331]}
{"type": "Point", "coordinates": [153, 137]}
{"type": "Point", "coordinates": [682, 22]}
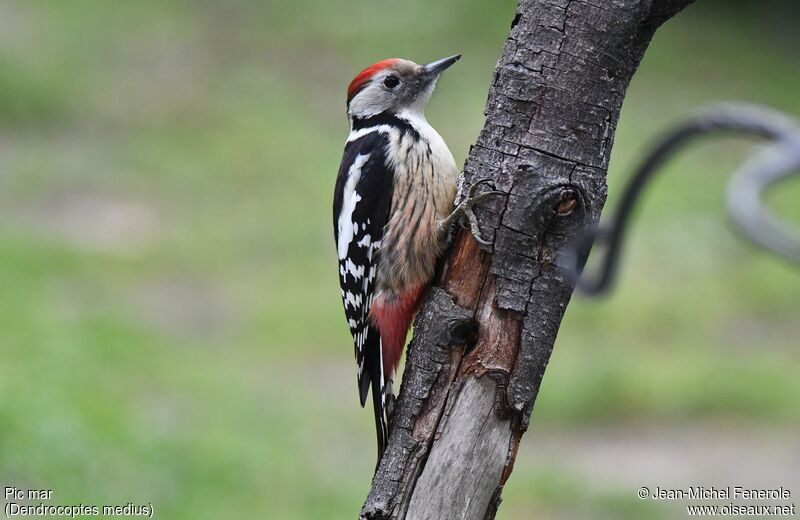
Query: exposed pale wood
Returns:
{"type": "Point", "coordinates": [471, 454]}
{"type": "Point", "coordinates": [551, 117]}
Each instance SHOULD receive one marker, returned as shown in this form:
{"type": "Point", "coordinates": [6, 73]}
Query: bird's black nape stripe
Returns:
{"type": "Point", "coordinates": [385, 118]}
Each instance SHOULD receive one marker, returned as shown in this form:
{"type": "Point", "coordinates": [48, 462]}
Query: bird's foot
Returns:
{"type": "Point", "coordinates": [464, 211]}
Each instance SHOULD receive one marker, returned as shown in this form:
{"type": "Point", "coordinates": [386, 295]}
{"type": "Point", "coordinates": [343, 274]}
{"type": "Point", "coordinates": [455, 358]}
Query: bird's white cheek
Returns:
{"type": "Point", "coordinates": [369, 102]}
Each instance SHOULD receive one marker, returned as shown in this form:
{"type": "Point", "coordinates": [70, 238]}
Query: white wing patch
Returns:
{"type": "Point", "coordinates": [349, 200]}
{"type": "Point", "coordinates": [353, 300]}
{"type": "Point", "coordinates": [357, 271]}
{"type": "Point", "coordinates": [364, 242]}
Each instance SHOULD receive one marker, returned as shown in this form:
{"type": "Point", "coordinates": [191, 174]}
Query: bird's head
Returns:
{"type": "Point", "coordinates": [394, 85]}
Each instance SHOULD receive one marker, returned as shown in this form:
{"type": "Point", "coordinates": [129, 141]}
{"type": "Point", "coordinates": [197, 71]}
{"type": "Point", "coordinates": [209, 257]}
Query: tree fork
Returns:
{"type": "Point", "coordinates": [483, 339]}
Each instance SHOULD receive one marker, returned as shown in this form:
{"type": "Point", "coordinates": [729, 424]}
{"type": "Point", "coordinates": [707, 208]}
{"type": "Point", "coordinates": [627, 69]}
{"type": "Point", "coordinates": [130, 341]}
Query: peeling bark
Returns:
{"type": "Point", "coordinates": [482, 341]}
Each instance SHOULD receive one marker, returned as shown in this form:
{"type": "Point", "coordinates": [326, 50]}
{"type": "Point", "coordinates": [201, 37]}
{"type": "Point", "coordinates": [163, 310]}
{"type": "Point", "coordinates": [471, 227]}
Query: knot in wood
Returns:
{"type": "Point", "coordinates": [568, 202]}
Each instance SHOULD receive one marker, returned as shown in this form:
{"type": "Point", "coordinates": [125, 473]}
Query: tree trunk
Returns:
{"type": "Point", "coordinates": [482, 341]}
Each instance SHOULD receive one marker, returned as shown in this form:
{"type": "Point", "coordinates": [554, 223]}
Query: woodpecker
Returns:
{"type": "Point", "coordinates": [392, 201]}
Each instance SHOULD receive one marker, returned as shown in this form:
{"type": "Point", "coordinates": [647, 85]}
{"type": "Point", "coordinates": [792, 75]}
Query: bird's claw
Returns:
{"type": "Point", "coordinates": [464, 210]}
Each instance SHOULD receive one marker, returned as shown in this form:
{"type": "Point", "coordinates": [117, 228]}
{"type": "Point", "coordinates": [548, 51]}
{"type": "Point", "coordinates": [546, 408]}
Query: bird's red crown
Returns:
{"type": "Point", "coordinates": [366, 74]}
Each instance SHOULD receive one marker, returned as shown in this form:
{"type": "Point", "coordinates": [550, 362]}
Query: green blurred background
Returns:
{"type": "Point", "coordinates": [170, 323]}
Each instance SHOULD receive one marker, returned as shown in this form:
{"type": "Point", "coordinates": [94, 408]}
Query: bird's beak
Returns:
{"type": "Point", "coordinates": [434, 68]}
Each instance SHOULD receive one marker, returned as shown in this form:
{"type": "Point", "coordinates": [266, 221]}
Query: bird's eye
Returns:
{"type": "Point", "coordinates": [391, 81]}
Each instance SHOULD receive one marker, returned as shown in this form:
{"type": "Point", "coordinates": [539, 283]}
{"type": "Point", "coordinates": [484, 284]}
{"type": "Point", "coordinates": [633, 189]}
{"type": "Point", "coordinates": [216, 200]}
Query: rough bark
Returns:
{"type": "Point", "coordinates": [483, 339]}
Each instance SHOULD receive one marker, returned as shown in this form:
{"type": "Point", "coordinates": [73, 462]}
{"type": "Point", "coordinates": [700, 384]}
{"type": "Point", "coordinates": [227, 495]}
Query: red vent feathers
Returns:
{"type": "Point", "coordinates": [365, 76]}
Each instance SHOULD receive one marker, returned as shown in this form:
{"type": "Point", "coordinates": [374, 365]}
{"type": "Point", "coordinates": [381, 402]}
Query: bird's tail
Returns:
{"type": "Point", "coordinates": [379, 406]}
{"type": "Point", "coordinates": [373, 378]}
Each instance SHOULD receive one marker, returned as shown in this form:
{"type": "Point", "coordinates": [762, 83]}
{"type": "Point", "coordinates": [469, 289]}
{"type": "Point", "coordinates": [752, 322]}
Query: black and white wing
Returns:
{"type": "Point", "coordinates": [361, 204]}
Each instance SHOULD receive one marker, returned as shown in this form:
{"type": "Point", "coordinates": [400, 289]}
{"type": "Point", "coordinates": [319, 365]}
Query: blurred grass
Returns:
{"type": "Point", "coordinates": [170, 325]}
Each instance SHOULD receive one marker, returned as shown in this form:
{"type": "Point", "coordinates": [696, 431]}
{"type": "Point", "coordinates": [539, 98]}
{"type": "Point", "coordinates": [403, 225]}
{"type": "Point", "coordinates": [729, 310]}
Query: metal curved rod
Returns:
{"type": "Point", "coordinates": [731, 118]}
{"type": "Point", "coordinates": [746, 192]}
